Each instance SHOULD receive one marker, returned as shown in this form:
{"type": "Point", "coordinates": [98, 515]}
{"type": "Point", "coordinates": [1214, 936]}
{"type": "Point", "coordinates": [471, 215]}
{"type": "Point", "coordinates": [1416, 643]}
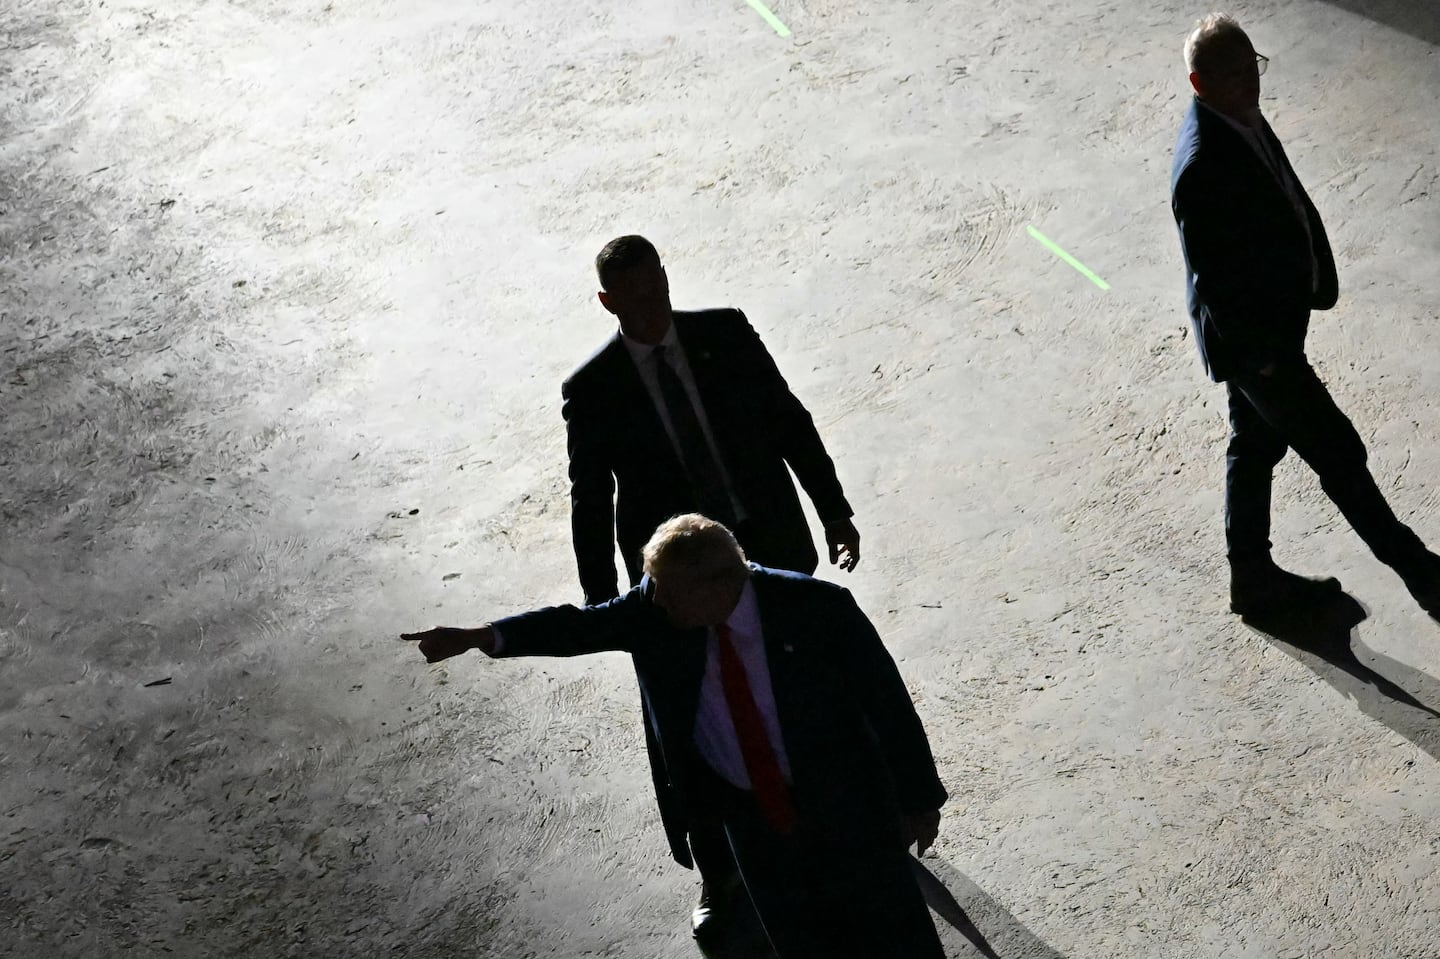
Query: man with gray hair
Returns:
{"type": "Point", "coordinates": [1257, 261]}
{"type": "Point", "coordinates": [780, 715]}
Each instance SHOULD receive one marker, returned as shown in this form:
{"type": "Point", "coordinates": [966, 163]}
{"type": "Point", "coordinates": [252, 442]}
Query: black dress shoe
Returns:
{"type": "Point", "coordinates": [715, 911]}
{"type": "Point", "coordinates": [1264, 589]}
{"type": "Point", "coordinates": [725, 924]}
{"type": "Point", "coordinates": [705, 917]}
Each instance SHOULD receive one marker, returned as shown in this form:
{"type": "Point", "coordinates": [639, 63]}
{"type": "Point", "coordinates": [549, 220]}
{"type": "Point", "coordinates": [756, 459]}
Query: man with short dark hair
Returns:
{"type": "Point", "coordinates": [781, 716]}
{"type": "Point", "coordinates": [681, 412]}
{"type": "Point", "coordinates": [1257, 261]}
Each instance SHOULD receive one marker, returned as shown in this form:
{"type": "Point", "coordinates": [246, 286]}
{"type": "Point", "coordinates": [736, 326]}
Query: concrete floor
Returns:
{"type": "Point", "coordinates": [286, 294]}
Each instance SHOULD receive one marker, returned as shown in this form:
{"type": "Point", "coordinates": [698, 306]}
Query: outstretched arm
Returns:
{"type": "Point", "coordinates": [555, 631]}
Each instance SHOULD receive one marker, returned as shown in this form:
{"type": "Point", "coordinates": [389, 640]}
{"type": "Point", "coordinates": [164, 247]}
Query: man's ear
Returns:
{"type": "Point", "coordinates": [604, 299]}
{"type": "Point", "coordinates": [1197, 85]}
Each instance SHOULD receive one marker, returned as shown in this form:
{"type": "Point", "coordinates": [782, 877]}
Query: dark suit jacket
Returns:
{"type": "Point", "coordinates": [625, 478]}
{"type": "Point", "coordinates": [855, 744]}
{"type": "Point", "coordinates": [1248, 273]}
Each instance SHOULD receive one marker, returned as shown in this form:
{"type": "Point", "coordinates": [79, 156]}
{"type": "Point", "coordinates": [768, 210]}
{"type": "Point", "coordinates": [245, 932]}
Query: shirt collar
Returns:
{"type": "Point", "coordinates": [744, 619]}
{"type": "Point", "coordinates": [1235, 124]}
{"type": "Point", "coordinates": [639, 352]}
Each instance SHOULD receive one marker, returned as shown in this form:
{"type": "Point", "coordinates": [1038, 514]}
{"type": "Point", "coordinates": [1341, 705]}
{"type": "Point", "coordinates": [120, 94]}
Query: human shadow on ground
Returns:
{"type": "Point", "coordinates": [1419, 18]}
{"type": "Point", "coordinates": [1325, 640]}
{"type": "Point", "coordinates": [1005, 935]}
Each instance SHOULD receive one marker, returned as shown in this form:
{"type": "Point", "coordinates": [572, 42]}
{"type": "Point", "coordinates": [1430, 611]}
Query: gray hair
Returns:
{"type": "Point", "coordinates": [1215, 32]}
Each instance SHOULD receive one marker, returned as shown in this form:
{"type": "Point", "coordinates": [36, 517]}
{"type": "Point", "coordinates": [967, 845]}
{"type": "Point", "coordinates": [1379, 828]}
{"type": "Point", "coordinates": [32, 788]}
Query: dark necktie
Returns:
{"type": "Point", "coordinates": [766, 780]}
{"type": "Point", "coordinates": [695, 454]}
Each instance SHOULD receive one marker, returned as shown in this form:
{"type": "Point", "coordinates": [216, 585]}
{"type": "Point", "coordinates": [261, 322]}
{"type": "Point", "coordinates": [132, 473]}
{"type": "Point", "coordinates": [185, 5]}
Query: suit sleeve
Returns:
{"type": "Point", "coordinates": [615, 626]}
{"type": "Point", "coordinates": [592, 497]}
{"type": "Point", "coordinates": [1230, 274]}
{"type": "Point", "coordinates": [875, 683]}
{"type": "Point", "coordinates": [796, 437]}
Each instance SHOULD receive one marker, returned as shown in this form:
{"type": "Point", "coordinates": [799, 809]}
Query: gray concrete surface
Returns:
{"type": "Point", "coordinates": [286, 295]}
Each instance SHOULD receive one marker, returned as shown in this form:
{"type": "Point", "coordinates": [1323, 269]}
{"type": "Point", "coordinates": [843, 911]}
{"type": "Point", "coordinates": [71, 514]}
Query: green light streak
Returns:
{"type": "Point", "coordinates": [770, 18]}
{"type": "Point", "coordinates": [1085, 271]}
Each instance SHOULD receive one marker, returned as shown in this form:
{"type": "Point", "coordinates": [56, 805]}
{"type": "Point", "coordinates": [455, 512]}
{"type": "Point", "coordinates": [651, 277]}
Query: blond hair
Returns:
{"type": "Point", "coordinates": [1214, 32]}
{"type": "Point", "coordinates": [696, 543]}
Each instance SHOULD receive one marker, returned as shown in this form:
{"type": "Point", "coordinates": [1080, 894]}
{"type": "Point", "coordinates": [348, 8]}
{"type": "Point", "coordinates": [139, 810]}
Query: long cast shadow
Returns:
{"type": "Point", "coordinates": [1419, 18]}
{"type": "Point", "coordinates": [1386, 690]}
{"type": "Point", "coordinates": [997, 926]}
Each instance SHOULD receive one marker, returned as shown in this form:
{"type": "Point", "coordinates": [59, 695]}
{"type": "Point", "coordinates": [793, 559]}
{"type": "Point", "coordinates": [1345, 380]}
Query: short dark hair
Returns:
{"type": "Point", "coordinates": [621, 254]}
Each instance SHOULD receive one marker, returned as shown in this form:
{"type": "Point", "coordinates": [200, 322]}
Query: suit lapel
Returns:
{"type": "Point", "coordinates": [1263, 182]}
{"type": "Point", "coordinates": [702, 365]}
{"type": "Point", "coordinates": [625, 379]}
{"type": "Point", "coordinates": [636, 416]}
{"type": "Point", "coordinates": [1242, 153]}
{"type": "Point", "coordinates": [710, 373]}
{"type": "Point", "coordinates": [1278, 149]}
{"type": "Point", "coordinates": [779, 633]}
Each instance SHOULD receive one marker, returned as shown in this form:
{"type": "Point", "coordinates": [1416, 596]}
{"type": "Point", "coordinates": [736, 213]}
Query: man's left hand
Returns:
{"type": "Point", "coordinates": [922, 828]}
{"type": "Point", "coordinates": [844, 541]}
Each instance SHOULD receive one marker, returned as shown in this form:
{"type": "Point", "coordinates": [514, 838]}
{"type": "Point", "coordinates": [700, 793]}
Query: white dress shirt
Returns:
{"type": "Point", "coordinates": [715, 735]}
{"type": "Point", "coordinates": [643, 354]}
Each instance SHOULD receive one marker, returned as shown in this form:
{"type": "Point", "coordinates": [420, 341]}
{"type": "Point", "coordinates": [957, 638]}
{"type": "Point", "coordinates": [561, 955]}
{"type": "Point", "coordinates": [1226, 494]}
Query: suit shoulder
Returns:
{"type": "Point", "coordinates": [595, 366]}
{"type": "Point", "coordinates": [720, 318]}
{"type": "Point", "coordinates": [794, 585]}
{"type": "Point", "coordinates": [726, 329]}
{"type": "Point", "coordinates": [1187, 145]}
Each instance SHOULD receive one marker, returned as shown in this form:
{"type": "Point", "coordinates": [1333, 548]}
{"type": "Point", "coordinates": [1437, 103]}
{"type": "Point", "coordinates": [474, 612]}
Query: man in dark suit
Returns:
{"type": "Point", "coordinates": [1257, 261]}
{"type": "Point", "coordinates": [682, 412]}
{"type": "Point", "coordinates": [780, 714]}
{"type": "Point", "coordinates": [685, 411]}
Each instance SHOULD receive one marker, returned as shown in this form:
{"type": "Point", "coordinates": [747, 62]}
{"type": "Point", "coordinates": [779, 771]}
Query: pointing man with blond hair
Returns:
{"type": "Point", "coordinates": [779, 715]}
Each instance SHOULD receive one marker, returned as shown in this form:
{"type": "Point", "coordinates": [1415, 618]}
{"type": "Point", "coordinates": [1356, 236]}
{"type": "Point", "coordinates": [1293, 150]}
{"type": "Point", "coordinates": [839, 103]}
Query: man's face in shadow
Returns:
{"type": "Point", "coordinates": [640, 299]}
{"type": "Point", "coordinates": [1230, 81]}
{"type": "Point", "coordinates": [695, 598]}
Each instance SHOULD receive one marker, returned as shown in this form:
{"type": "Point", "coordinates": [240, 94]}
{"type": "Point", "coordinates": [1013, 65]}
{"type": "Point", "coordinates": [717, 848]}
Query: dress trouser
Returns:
{"type": "Point", "coordinates": [842, 894]}
{"type": "Point", "coordinates": [853, 899]}
{"type": "Point", "coordinates": [1292, 409]}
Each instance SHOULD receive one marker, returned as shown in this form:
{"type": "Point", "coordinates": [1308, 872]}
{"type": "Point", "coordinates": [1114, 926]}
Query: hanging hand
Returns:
{"type": "Point", "coordinates": [844, 541]}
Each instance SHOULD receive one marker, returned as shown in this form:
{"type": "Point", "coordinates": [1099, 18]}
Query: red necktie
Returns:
{"type": "Point", "coordinates": [766, 780]}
